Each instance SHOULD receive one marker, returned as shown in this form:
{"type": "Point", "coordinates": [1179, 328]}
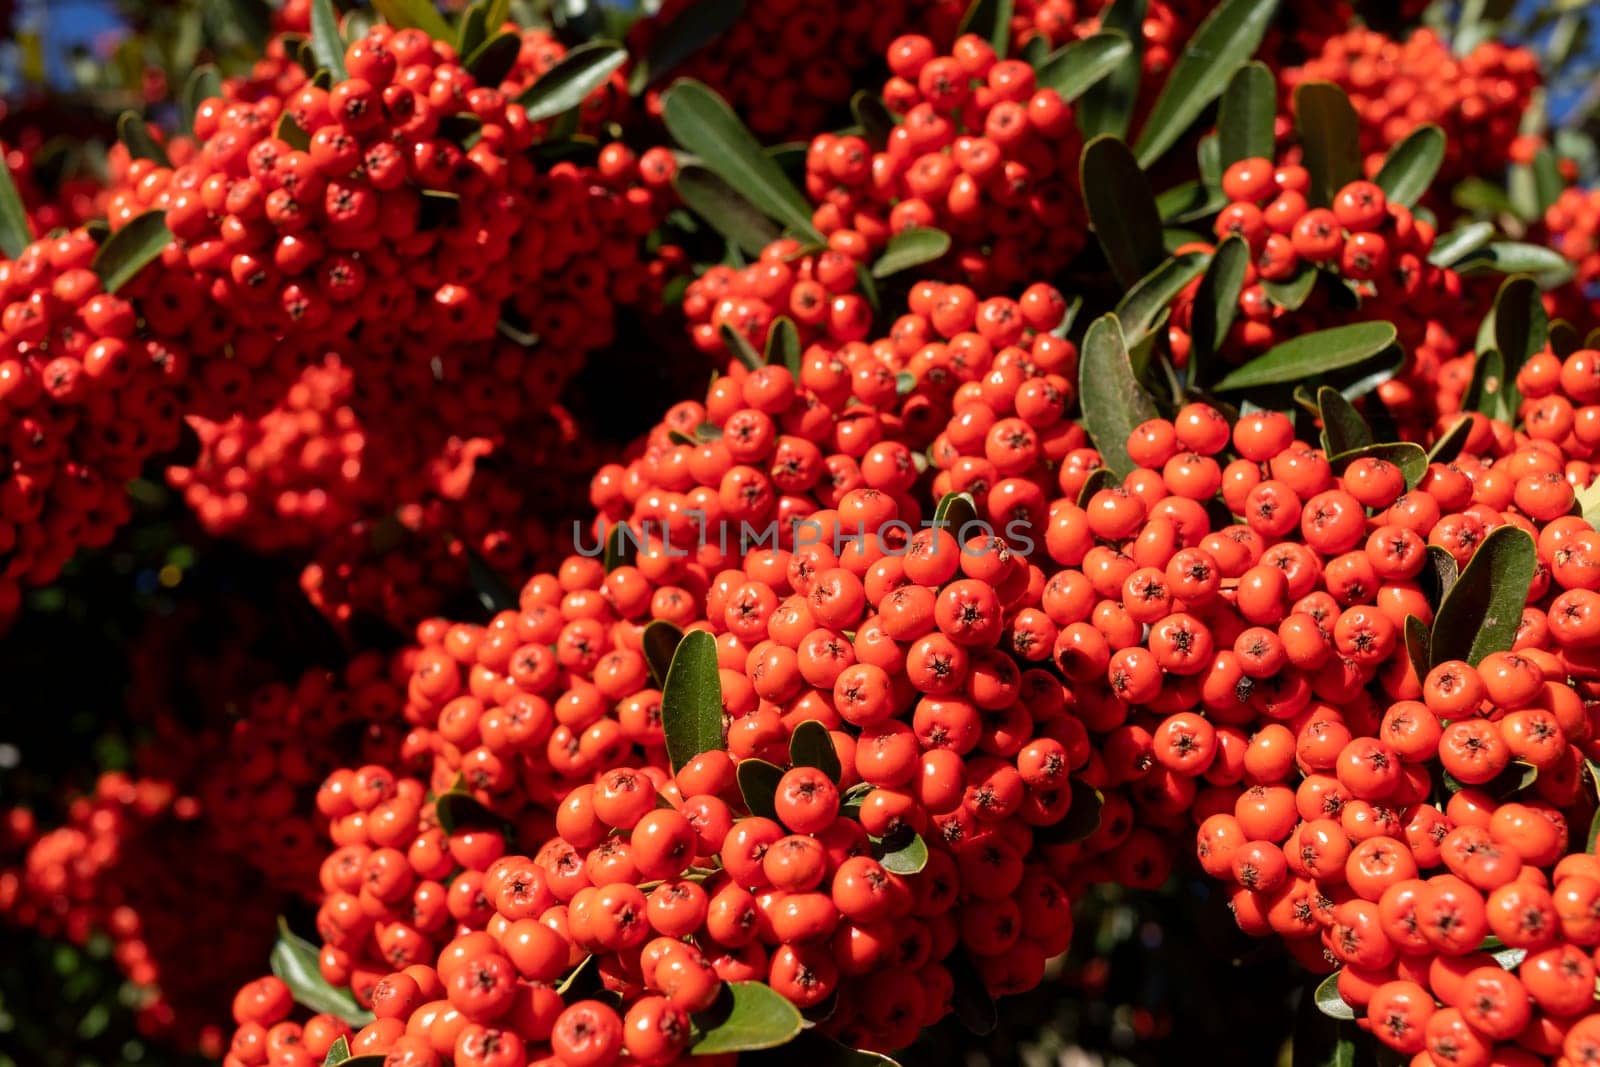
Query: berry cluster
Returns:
{"type": "Point", "coordinates": [1477, 99]}
{"type": "Point", "coordinates": [1573, 222]}
{"type": "Point", "coordinates": [85, 402]}
{"type": "Point", "coordinates": [981, 153]}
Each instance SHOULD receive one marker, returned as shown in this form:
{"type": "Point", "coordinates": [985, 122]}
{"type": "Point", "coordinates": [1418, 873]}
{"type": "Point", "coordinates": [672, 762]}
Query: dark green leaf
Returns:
{"type": "Point", "coordinates": [1409, 457]}
{"type": "Point", "coordinates": [873, 117]}
{"type": "Point", "coordinates": [1081, 820]}
{"type": "Point", "coordinates": [1513, 257]}
{"type": "Point", "coordinates": [566, 85]}
{"type": "Point", "coordinates": [415, 14]}
{"type": "Point", "coordinates": [581, 979]}
{"type": "Point", "coordinates": [203, 84]}
{"type": "Point", "coordinates": [1329, 1002]}
{"type": "Point", "coordinates": [1594, 832]}
{"type": "Point", "coordinates": [1312, 355]}
{"type": "Point", "coordinates": [1246, 116]}
{"type": "Point", "coordinates": [1190, 201]}
{"type": "Point", "coordinates": [290, 132]}
{"type": "Point", "coordinates": [911, 248]}
{"type": "Point", "coordinates": [1330, 134]}
{"type": "Point", "coordinates": [1547, 181]}
{"type": "Point", "coordinates": [1481, 197]}
{"type": "Point", "coordinates": [1564, 339]}
{"type": "Point", "coordinates": [1292, 293]}
{"type": "Point", "coordinates": [703, 124]}
{"type": "Point", "coordinates": [783, 345]}
{"type": "Point", "coordinates": [758, 784]}
{"type": "Point", "coordinates": [132, 132]}
{"type": "Point", "coordinates": [906, 858]}
{"type": "Point", "coordinates": [129, 250]}
{"type": "Point", "coordinates": [760, 1017]}
{"type": "Point", "coordinates": [1224, 42]}
{"type": "Point", "coordinates": [1417, 640]}
{"type": "Point", "coordinates": [991, 20]}
{"type": "Point", "coordinates": [1321, 1041]}
{"type": "Point", "coordinates": [1487, 393]}
{"type": "Point", "coordinates": [812, 1049]}
{"type": "Point", "coordinates": [1483, 609]}
{"type": "Point", "coordinates": [338, 1052]}
{"type": "Point", "coordinates": [740, 346]}
{"type": "Point", "coordinates": [1450, 443]}
{"type": "Point", "coordinates": [658, 642]}
{"type": "Point", "coordinates": [474, 28]}
{"type": "Point", "coordinates": [810, 746]}
{"type": "Point", "coordinates": [1521, 325]}
{"type": "Point", "coordinates": [495, 58]}
{"type": "Point", "coordinates": [1112, 399]}
{"type": "Point", "coordinates": [1145, 302]}
{"type": "Point", "coordinates": [691, 700]}
{"type": "Point", "coordinates": [297, 962]}
{"type": "Point", "coordinates": [730, 214]}
{"type": "Point", "coordinates": [970, 1000]}
{"type": "Point", "coordinates": [1121, 209]}
{"type": "Point", "coordinates": [1438, 575]}
{"type": "Point", "coordinates": [1411, 165]}
{"type": "Point", "coordinates": [621, 547]}
{"type": "Point", "coordinates": [1452, 247]}
{"type": "Point", "coordinates": [954, 512]}
{"type": "Point", "coordinates": [1217, 303]}
{"type": "Point", "coordinates": [493, 593]}
{"type": "Point", "coordinates": [16, 233]}
{"type": "Point", "coordinates": [1107, 107]}
{"type": "Point", "coordinates": [1098, 479]}
{"type": "Point", "coordinates": [1343, 428]}
{"type": "Point", "coordinates": [326, 44]}
{"type": "Point", "coordinates": [696, 26]}
{"type": "Point", "coordinates": [456, 807]}
{"type": "Point", "coordinates": [1073, 70]}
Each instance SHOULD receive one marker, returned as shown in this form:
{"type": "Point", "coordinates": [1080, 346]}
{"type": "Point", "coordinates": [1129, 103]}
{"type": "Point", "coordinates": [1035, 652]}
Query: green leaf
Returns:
{"type": "Point", "coordinates": [1438, 576]}
{"type": "Point", "coordinates": [1190, 201]}
{"type": "Point", "coordinates": [1145, 302]}
{"type": "Point", "coordinates": [580, 979]}
{"type": "Point", "coordinates": [1328, 1000]}
{"type": "Point", "coordinates": [1073, 70]}
{"type": "Point", "coordinates": [1451, 442]}
{"type": "Point", "coordinates": [131, 249]}
{"type": "Point", "coordinates": [758, 784]}
{"type": "Point", "coordinates": [813, 1049]}
{"type": "Point", "coordinates": [1331, 136]}
{"type": "Point", "coordinates": [1246, 116]}
{"type": "Point", "coordinates": [1411, 165]}
{"type": "Point", "coordinates": [297, 962]}
{"type": "Point", "coordinates": [911, 248]}
{"type": "Point", "coordinates": [1452, 247]}
{"type": "Point", "coordinates": [954, 511]}
{"type": "Point", "coordinates": [1521, 325]}
{"type": "Point", "coordinates": [16, 232]}
{"type": "Point", "coordinates": [1343, 428]}
{"type": "Point", "coordinates": [873, 117]}
{"type": "Point", "coordinates": [783, 345]}
{"type": "Point", "coordinates": [1112, 399]}
{"type": "Point", "coordinates": [691, 700]}
{"type": "Point", "coordinates": [1098, 479]}
{"type": "Point", "coordinates": [696, 26]}
{"type": "Point", "coordinates": [1319, 1040]}
{"type": "Point", "coordinates": [1547, 180]}
{"type": "Point", "coordinates": [970, 1000]}
{"type": "Point", "coordinates": [1292, 293]}
{"type": "Point", "coordinates": [1121, 209]}
{"type": "Point", "coordinates": [658, 642]}
{"type": "Point", "coordinates": [493, 593]}
{"type": "Point", "coordinates": [991, 20]}
{"type": "Point", "coordinates": [810, 746]}
{"type": "Point", "coordinates": [1081, 820]}
{"type": "Point", "coordinates": [906, 859]}
{"type": "Point", "coordinates": [703, 124]}
{"type": "Point", "coordinates": [491, 61]}
{"type": "Point", "coordinates": [729, 214]}
{"type": "Point", "coordinates": [1482, 611]}
{"type": "Point", "coordinates": [1514, 257]}
{"type": "Point", "coordinates": [1216, 304]}
{"type": "Point", "coordinates": [760, 1017]}
{"type": "Point", "coordinates": [566, 85]}
{"type": "Point", "coordinates": [132, 132]}
{"type": "Point", "coordinates": [1224, 42]}
{"type": "Point", "coordinates": [1409, 457]}
{"type": "Point", "coordinates": [474, 28]}
{"type": "Point", "coordinates": [1107, 107]}
{"type": "Point", "coordinates": [415, 14]}
{"type": "Point", "coordinates": [1312, 355]}
{"type": "Point", "coordinates": [1417, 641]}
{"type": "Point", "coordinates": [1589, 504]}
{"type": "Point", "coordinates": [290, 132]}
{"type": "Point", "coordinates": [326, 44]}
{"type": "Point", "coordinates": [740, 346]}
{"type": "Point", "coordinates": [338, 1052]}
{"type": "Point", "coordinates": [204, 83]}
{"type": "Point", "coordinates": [1487, 393]}
{"type": "Point", "coordinates": [458, 807]}
{"type": "Point", "coordinates": [620, 549]}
